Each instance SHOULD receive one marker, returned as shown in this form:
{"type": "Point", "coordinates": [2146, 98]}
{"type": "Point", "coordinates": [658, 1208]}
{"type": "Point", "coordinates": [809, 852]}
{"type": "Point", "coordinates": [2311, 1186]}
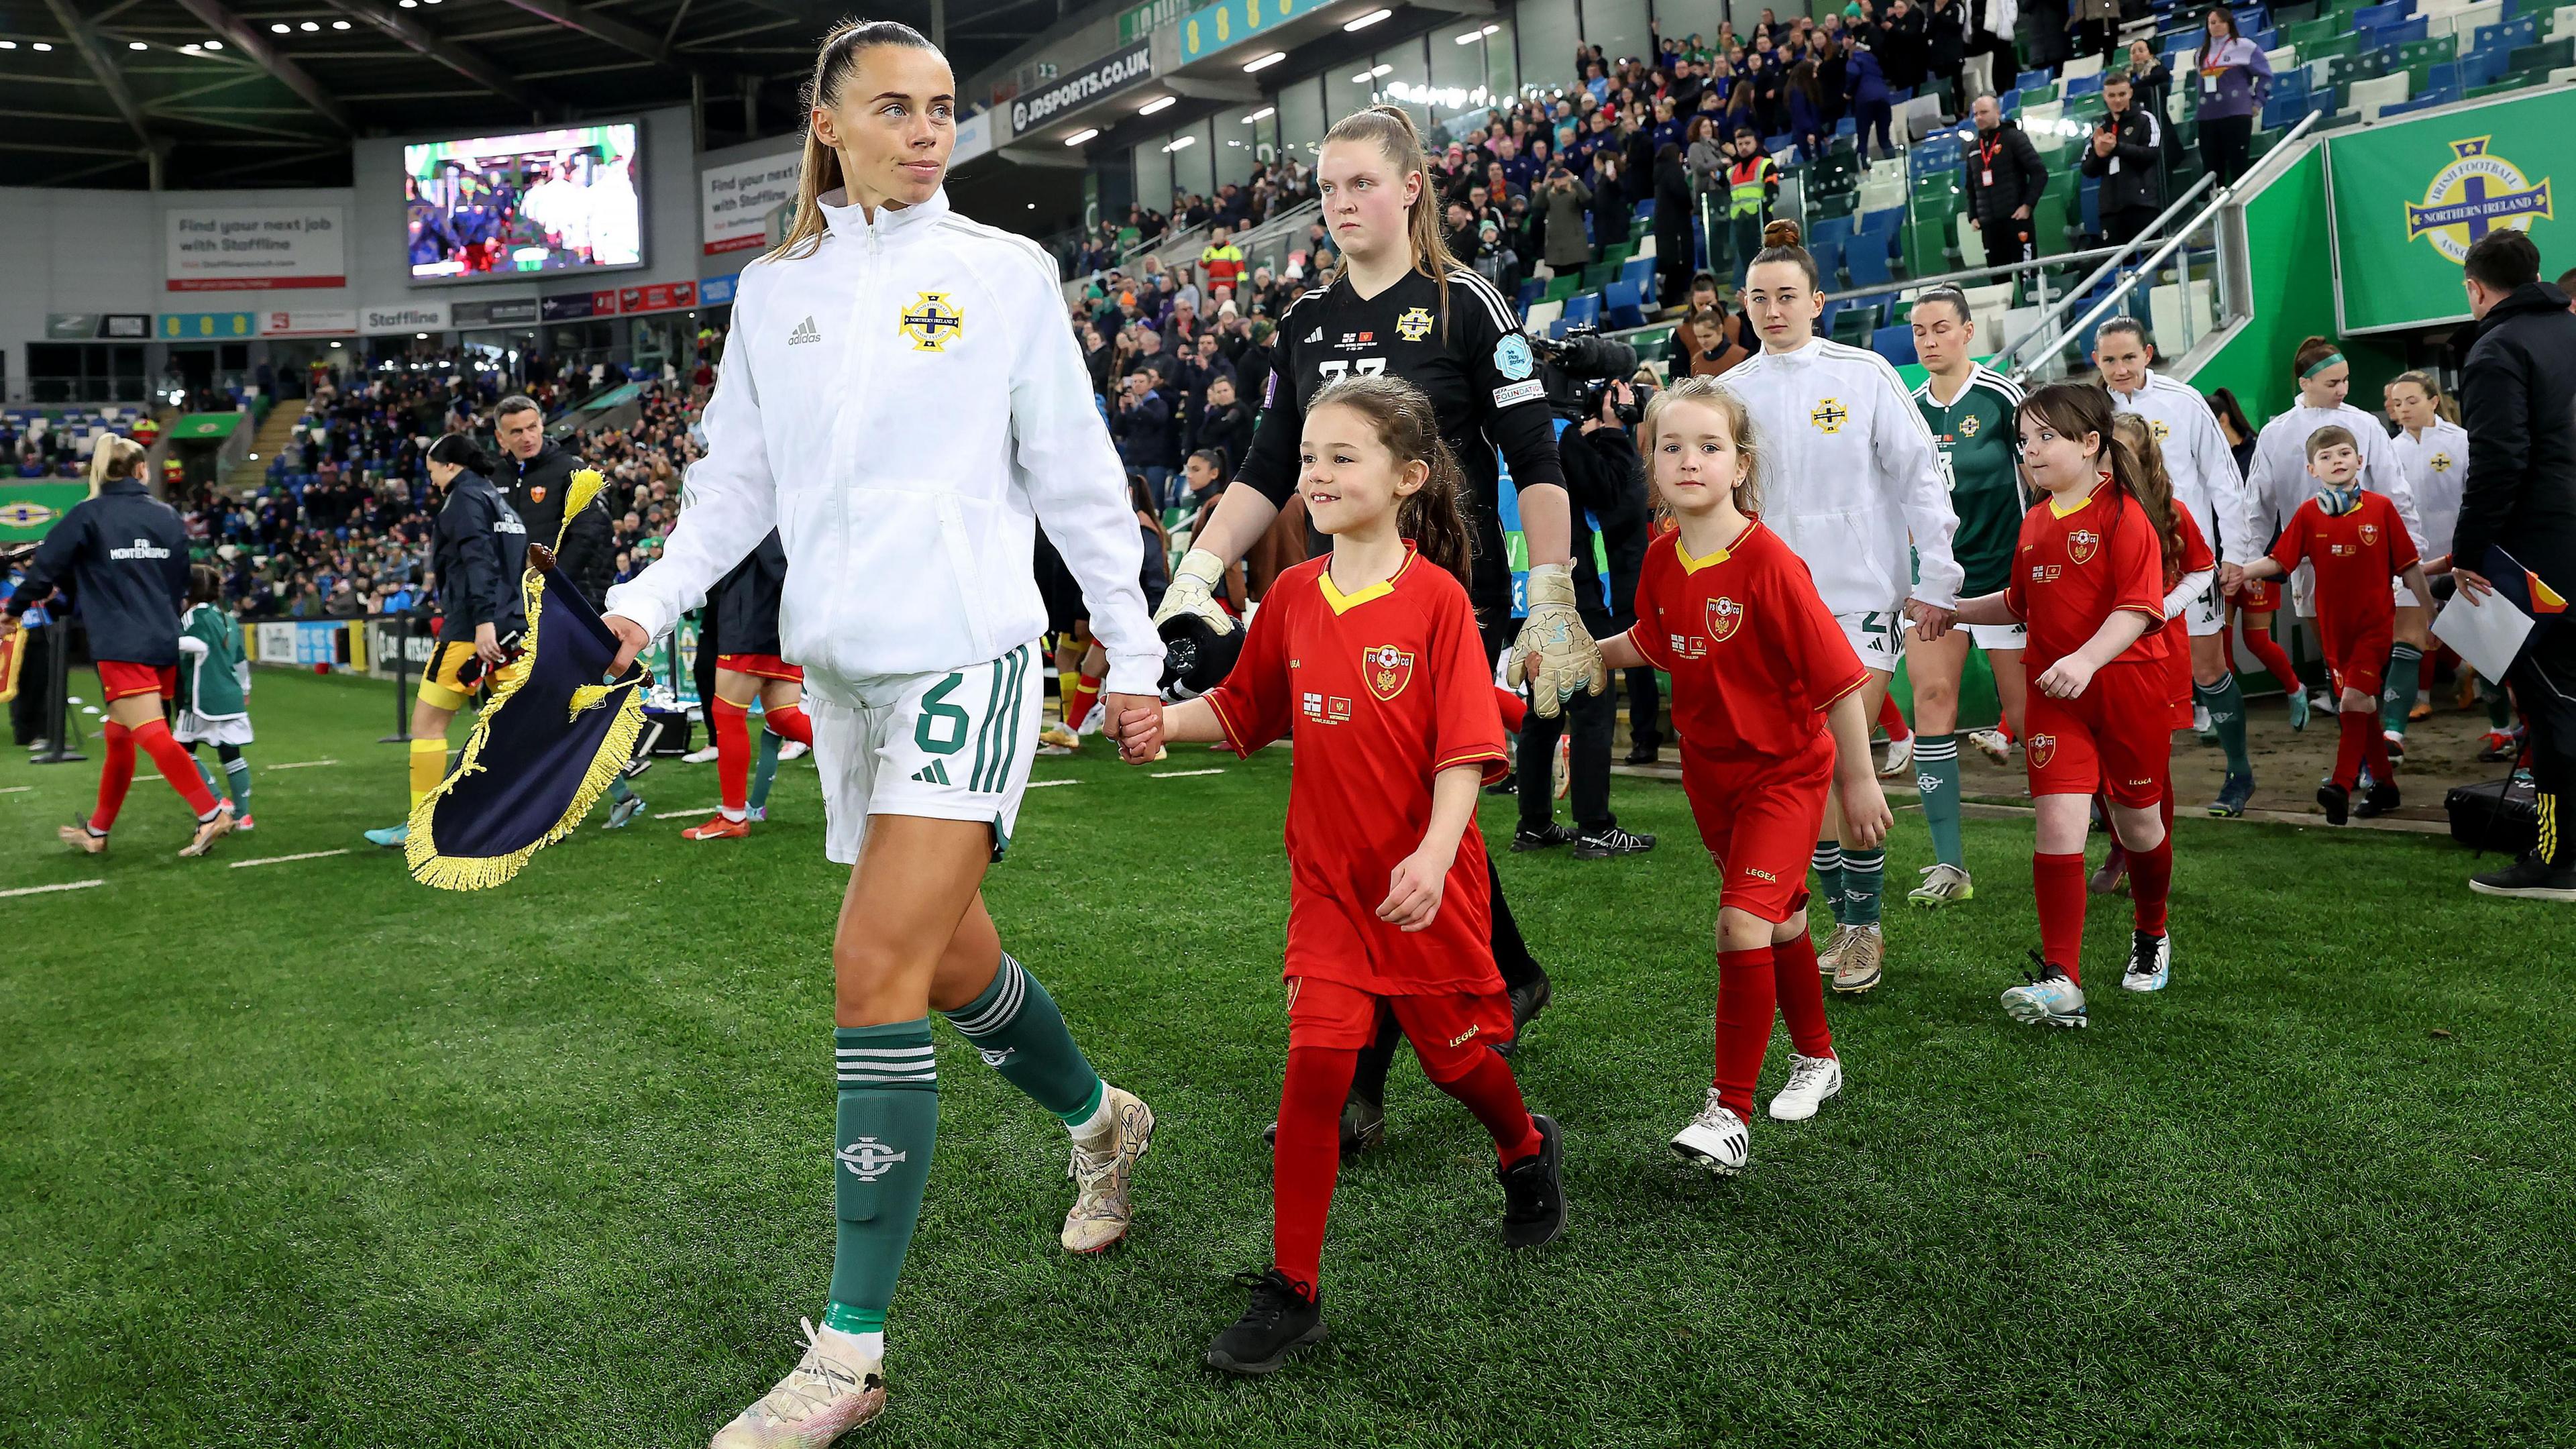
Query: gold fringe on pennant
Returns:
{"type": "Point", "coordinates": [478, 873]}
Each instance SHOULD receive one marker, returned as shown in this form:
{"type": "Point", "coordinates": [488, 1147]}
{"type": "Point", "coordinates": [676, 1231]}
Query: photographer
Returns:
{"type": "Point", "coordinates": [1607, 485]}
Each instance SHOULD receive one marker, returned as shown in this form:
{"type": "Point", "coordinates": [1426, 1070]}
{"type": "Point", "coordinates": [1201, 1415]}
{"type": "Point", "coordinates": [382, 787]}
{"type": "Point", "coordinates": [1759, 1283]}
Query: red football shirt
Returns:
{"type": "Point", "coordinates": [2076, 568]}
{"type": "Point", "coordinates": [2355, 554]}
{"type": "Point", "coordinates": [1754, 654]}
{"type": "Point", "coordinates": [1380, 690]}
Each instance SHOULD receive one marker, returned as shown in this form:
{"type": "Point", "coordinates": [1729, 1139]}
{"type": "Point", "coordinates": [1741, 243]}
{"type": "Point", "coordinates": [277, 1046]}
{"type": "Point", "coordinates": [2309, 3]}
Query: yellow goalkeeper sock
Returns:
{"type": "Point", "coordinates": [428, 767]}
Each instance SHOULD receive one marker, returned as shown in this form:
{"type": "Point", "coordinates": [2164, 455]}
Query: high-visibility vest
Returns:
{"type": "Point", "coordinates": [1747, 181]}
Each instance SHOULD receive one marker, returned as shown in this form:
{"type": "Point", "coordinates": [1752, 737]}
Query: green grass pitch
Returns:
{"type": "Point", "coordinates": [306, 1154]}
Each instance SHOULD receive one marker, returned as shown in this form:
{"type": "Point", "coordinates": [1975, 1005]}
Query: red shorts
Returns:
{"type": "Point", "coordinates": [2259, 596]}
{"type": "Point", "coordinates": [765, 666]}
{"type": "Point", "coordinates": [1447, 1028]}
{"type": "Point", "coordinates": [118, 679]}
{"type": "Point", "coordinates": [1761, 826]}
{"type": "Point", "coordinates": [2361, 662]}
{"type": "Point", "coordinates": [2179, 661]}
{"type": "Point", "coordinates": [2115, 738]}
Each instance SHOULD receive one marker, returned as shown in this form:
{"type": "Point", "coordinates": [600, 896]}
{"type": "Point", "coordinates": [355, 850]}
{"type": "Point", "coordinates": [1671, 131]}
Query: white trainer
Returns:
{"type": "Point", "coordinates": [1716, 1140]}
{"type": "Point", "coordinates": [1900, 758]}
{"type": "Point", "coordinates": [1830, 958]}
{"type": "Point", "coordinates": [1104, 1171]}
{"type": "Point", "coordinates": [1992, 744]}
{"type": "Point", "coordinates": [2150, 962]}
{"type": "Point", "coordinates": [1812, 1082]}
{"type": "Point", "coordinates": [835, 1388]}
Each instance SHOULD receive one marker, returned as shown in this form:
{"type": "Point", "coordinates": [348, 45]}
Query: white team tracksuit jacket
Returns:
{"type": "Point", "coordinates": [2197, 459]}
{"type": "Point", "coordinates": [1850, 476]}
{"type": "Point", "coordinates": [905, 404]}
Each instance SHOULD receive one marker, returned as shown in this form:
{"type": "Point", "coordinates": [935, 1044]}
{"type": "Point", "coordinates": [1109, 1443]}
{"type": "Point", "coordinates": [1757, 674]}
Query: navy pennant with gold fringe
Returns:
{"type": "Point", "coordinates": [545, 748]}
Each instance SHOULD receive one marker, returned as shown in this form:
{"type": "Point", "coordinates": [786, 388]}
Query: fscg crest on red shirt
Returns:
{"type": "Point", "coordinates": [2369, 533]}
{"type": "Point", "coordinates": [2041, 748]}
{"type": "Point", "coordinates": [1725, 616]}
{"type": "Point", "coordinates": [2082, 544]}
{"type": "Point", "coordinates": [1388, 669]}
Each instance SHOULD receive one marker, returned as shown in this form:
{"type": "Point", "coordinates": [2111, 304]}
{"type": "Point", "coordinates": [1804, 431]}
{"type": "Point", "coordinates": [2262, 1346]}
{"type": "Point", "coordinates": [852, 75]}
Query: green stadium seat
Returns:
{"type": "Point", "coordinates": [1653, 346]}
{"type": "Point", "coordinates": [1599, 275]}
{"type": "Point", "coordinates": [1562, 286]}
{"type": "Point", "coordinates": [2539, 60]}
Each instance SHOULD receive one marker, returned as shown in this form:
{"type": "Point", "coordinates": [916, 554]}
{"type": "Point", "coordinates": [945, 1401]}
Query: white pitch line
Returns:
{"type": "Point", "coordinates": [15, 789]}
{"type": "Point", "coordinates": [69, 885]}
{"type": "Point", "coordinates": [300, 765]}
{"type": "Point", "coordinates": [682, 814]}
{"type": "Point", "coordinates": [282, 859]}
{"type": "Point", "coordinates": [1178, 774]}
{"type": "Point", "coordinates": [1033, 784]}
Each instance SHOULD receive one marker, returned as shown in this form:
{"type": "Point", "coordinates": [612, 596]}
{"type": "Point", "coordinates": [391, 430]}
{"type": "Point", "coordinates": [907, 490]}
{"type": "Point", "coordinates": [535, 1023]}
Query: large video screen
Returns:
{"type": "Point", "coordinates": [541, 201]}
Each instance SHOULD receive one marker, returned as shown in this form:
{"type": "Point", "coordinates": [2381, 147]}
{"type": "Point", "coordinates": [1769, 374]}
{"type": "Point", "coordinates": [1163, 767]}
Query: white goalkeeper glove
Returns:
{"type": "Point", "coordinates": [1554, 652]}
{"type": "Point", "coordinates": [1193, 591]}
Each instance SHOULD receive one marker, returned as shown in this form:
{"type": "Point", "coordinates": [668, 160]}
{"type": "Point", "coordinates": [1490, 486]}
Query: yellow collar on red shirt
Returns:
{"type": "Point", "coordinates": [1343, 603]}
{"type": "Point", "coordinates": [1692, 565]}
{"type": "Point", "coordinates": [2058, 510]}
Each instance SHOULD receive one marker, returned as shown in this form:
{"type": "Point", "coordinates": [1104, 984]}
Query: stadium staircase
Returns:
{"type": "Point", "coordinates": [243, 476]}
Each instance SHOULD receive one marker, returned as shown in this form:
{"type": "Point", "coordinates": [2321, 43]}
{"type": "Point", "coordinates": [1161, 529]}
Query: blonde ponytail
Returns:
{"type": "Point", "coordinates": [1391, 130]}
{"type": "Point", "coordinates": [820, 172]}
{"type": "Point", "coordinates": [114, 458]}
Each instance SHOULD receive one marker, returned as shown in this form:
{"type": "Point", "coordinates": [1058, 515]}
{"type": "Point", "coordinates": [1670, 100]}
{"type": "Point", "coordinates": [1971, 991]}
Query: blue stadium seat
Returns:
{"type": "Point", "coordinates": [2397, 34]}
{"type": "Point", "coordinates": [1580, 308]}
{"type": "Point", "coordinates": [1831, 230]}
{"type": "Point", "coordinates": [1829, 260]}
{"type": "Point", "coordinates": [2031, 80]}
{"type": "Point", "coordinates": [1638, 272]}
{"type": "Point", "coordinates": [2482, 68]}
{"type": "Point", "coordinates": [1530, 292]}
{"type": "Point", "coordinates": [2504, 35]}
{"type": "Point", "coordinates": [1622, 306]}
{"type": "Point", "coordinates": [1868, 262]}
{"type": "Point", "coordinates": [2371, 17]}
{"type": "Point", "coordinates": [2083, 85]}
{"type": "Point", "coordinates": [1645, 211]}
{"type": "Point", "coordinates": [1896, 344]}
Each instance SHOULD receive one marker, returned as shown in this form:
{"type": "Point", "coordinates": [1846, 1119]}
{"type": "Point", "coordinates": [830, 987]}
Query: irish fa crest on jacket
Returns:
{"type": "Point", "coordinates": [1388, 670]}
{"type": "Point", "coordinates": [932, 322]}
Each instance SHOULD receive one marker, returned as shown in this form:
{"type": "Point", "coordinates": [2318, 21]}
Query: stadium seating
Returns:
{"type": "Point", "coordinates": [1622, 305]}
{"type": "Point", "coordinates": [1896, 344]}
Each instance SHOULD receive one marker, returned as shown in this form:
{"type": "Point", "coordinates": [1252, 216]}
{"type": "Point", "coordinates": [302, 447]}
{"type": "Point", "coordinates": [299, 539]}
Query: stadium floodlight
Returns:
{"type": "Point", "coordinates": [8, 45]}
{"type": "Point", "coordinates": [214, 45]}
{"type": "Point", "coordinates": [339, 25]}
{"type": "Point", "coordinates": [1264, 62]}
{"type": "Point", "coordinates": [1159, 103]}
{"type": "Point", "coordinates": [1491, 30]}
{"type": "Point", "coordinates": [309, 26]}
{"type": "Point", "coordinates": [1087, 133]}
{"type": "Point", "coordinates": [1371, 18]}
{"type": "Point", "coordinates": [1181, 143]}
{"type": "Point", "coordinates": [1265, 113]}
{"type": "Point", "coordinates": [136, 45]}
{"type": "Point", "coordinates": [1471, 37]}
{"type": "Point", "coordinates": [42, 45]}
{"type": "Point", "coordinates": [280, 28]}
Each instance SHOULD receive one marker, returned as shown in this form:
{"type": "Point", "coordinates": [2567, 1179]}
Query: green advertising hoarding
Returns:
{"type": "Point", "coordinates": [2409, 196]}
{"type": "Point", "coordinates": [29, 508]}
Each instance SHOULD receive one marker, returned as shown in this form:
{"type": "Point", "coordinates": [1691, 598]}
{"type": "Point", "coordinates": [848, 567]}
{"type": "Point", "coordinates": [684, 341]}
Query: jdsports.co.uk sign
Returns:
{"type": "Point", "coordinates": [1105, 77]}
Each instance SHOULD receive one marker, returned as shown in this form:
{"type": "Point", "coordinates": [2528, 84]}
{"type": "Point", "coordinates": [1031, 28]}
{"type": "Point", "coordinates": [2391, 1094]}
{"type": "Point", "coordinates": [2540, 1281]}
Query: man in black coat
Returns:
{"type": "Point", "coordinates": [2127, 152]}
{"type": "Point", "coordinates": [2518, 402]}
{"type": "Point", "coordinates": [2005, 179]}
{"type": "Point", "coordinates": [537, 477]}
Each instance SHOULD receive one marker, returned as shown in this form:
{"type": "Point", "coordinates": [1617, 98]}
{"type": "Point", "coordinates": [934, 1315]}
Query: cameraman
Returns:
{"type": "Point", "coordinates": [1606, 484]}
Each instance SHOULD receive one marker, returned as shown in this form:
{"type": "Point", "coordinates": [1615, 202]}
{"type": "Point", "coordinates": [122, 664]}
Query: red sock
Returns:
{"type": "Point", "coordinates": [733, 755]}
{"type": "Point", "coordinates": [1079, 700]}
{"type": "Point", "coordinates": [2359, 729]}
{"type": "Point", "coordinates": [2058, 882]}
{"type": "Point", "coordinates": [1802, 994]}
{"type": "Point", "coordinates": [2151, 883]}
{"type": "Point", "coordinates": [1306, 1158]}
{"type": "Point", "coordinates": [2004, 728]}
{"type": "Point", "coordinates": [2374, 745]}
{"type": "Point", "coordinates": [791, 722]}
{"type": "Point", "coordinates": [171, 758]}
{"type": "Point", "coordinates": [1491, 1092]}
{"type": "Point", "coordinates": [2273, 657]}
{"type": "Point", "coordinates": [115, 776]}
{"type": "Point", "coordinates": [1515, 709]}
{"type": "Point", "coordinates": [1892, 719]}
{"type": "Point", "coordinates": [1746, 990]}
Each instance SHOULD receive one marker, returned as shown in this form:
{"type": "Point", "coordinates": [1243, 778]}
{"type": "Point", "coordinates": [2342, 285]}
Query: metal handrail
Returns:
{"type": "Point", "coordinates": [1969, 275]}
{"type": "Point", "coordinates": [2058, 308]}
{"type": "Point", "coordinates": [2147, 268]}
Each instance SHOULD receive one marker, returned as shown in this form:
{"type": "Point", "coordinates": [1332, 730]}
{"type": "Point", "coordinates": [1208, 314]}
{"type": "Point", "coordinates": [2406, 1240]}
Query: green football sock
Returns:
{"type": "Point", "coordinates": [1936, 775]}
{"type": "Point", "coordinates": [2397, 692]}
{"type": "Point", "coordinates": [1019, 1031]}
{"type": "Point", "coordinates": [766, 772]}
{"type": "Point", "coordinates": [237, 781]}
{"type": "Point", "coordinates": [1828, 861]}
{"type": "Point", "coordinates": [2226, 705]}
{"type": "Point", "coordinates": [618, 789]}
{"type": "Point", "coordinates": [1864, 871]}
{"type": "Point", "coordinates": [2499, 705]}
{"type": "Point", "coordinates": [887, 1124]}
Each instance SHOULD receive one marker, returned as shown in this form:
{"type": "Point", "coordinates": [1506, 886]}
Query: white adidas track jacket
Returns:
{"type": "Point", "coordinates": [905, 404]}
{"type": "Point", "coordinates": [2197, 459]}
{"type": "Point", "coordinates": [1850, 475]}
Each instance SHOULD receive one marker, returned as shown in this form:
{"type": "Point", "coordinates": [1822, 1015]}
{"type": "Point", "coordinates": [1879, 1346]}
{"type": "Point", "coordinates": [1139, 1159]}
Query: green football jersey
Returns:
{"type": "Point", "coordinates": [1980, 454]}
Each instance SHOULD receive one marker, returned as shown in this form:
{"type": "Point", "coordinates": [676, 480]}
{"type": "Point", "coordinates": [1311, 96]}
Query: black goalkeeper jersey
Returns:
{"type": "Point", "coordinates": [1480, 374]}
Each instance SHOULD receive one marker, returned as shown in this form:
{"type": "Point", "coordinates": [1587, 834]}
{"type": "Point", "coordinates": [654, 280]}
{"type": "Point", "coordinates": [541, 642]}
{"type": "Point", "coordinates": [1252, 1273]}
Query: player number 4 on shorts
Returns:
{"type": "Point", "coordinates": [936, 713]}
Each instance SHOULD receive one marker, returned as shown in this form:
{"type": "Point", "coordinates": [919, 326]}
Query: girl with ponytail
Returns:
{"type": "Point", "coordinates": [1403, 308]}
{"type": "Point", "coordinates": [2433, 451]}
{"type": "Point", "coordinates": [2090, 580]}
{"type": "Point", "coordinates": [125, 554]}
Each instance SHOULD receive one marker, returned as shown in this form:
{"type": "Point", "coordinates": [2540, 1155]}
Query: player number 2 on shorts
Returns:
{"type": "Point", "coordinates": [936, 713]}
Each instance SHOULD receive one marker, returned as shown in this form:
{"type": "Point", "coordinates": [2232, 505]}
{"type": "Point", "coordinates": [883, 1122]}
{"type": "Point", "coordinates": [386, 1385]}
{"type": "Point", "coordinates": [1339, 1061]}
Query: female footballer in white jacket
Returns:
{"type": "Point", "coordinates": [2433, 452]}
{"type": "Point", "coordinates": [2278, 482]}
{"type": "Point", "coordinates": [1858, 493]}
{"type": "Point", "coordinates": [901, 399]}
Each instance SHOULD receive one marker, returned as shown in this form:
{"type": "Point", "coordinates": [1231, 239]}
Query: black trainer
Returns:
{"type": "Point", "coordinates": [1363, 1127]}
{"type": "Point", "coordinates": [1282, 1318]}
{"type": "Point", "coordinates": [1528, 1000]}
{"type": "Point", "coordinates": [1643, 756]}
{"type": "Point", "coordinates": [1534, 1192]}
{"type": "Point", "coordinates": [1545, 837]}
{"type": "Point", "coordinates": [2381, 798]}
{"type": "Point", "coordinates": [2337, 802]}
{"type": "Point", "coordinates": [2528, 879]}
{"type": "Point", "coordinates": [1608, 841]}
